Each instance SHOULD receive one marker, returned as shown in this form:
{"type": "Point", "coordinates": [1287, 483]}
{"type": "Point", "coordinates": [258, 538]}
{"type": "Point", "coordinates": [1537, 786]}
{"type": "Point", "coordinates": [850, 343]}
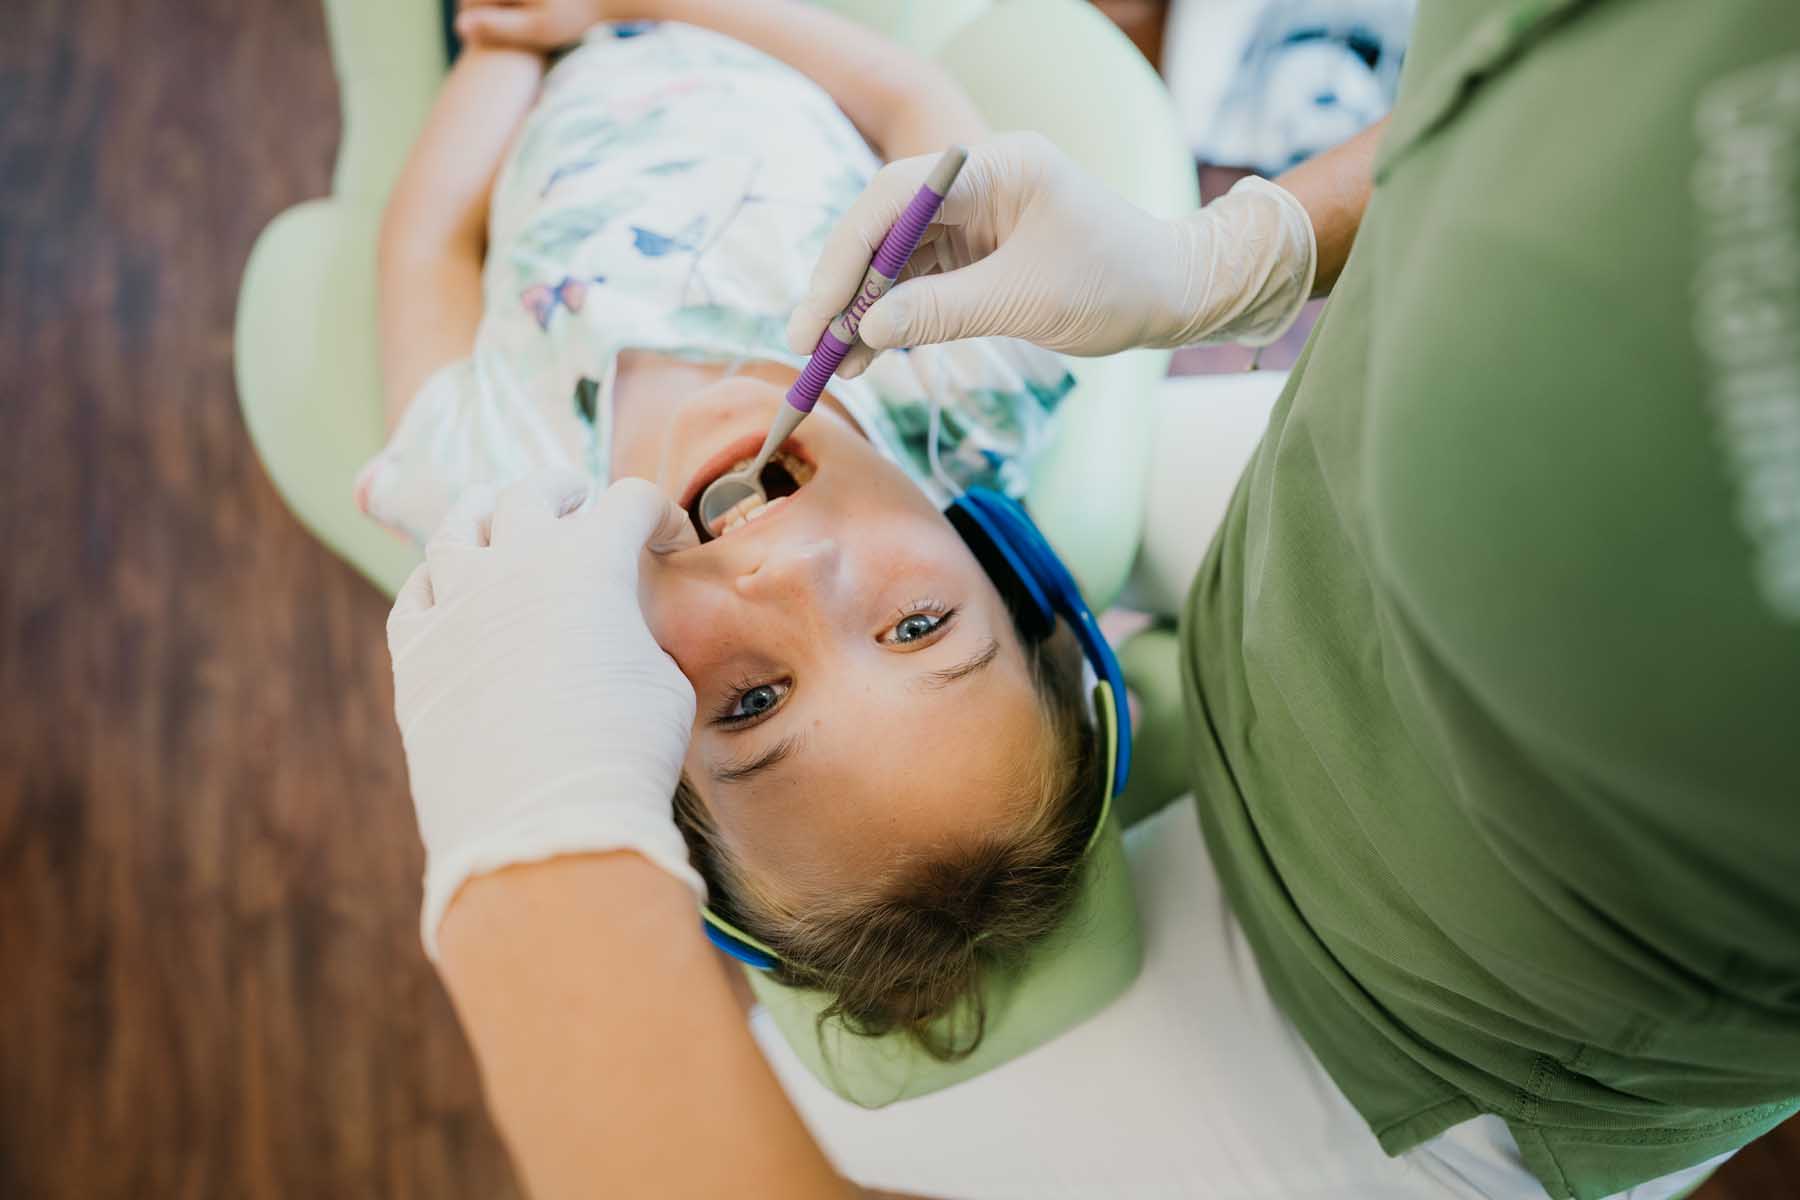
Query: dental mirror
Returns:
{"type": "Point", "coordinates": [734, 487]}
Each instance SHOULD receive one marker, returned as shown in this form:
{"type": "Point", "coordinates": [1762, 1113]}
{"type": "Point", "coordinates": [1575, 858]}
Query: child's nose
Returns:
{"type": "Point", "coordinates": [809, 571]}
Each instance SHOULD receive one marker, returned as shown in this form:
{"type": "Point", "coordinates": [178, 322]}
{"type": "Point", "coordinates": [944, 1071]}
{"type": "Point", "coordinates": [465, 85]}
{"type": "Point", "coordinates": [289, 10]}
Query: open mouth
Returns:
{"type": "Point", "coordinates": [785, 473]}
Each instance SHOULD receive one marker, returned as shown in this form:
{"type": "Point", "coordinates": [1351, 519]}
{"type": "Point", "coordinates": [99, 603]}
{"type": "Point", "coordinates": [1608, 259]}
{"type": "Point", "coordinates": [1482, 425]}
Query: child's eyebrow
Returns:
{"type": "Point", "coordinates": [786, 748]}
{"type": "Point", "coordinates": [962, 670]}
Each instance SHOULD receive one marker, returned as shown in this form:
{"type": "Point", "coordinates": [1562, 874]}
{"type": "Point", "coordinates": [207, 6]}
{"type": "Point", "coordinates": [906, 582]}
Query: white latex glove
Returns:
{"type": "Point", "coordinates": [1028, 245]}
{"type": "Point", "coordinates": [539, 716]}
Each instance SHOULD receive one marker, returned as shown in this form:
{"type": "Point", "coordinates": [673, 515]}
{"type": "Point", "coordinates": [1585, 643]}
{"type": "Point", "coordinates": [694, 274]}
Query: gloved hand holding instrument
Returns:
{"type": "Point", "coordinates": [1028, 245]}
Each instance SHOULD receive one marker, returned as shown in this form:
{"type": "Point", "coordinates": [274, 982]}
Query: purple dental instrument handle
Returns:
{"type": "Point", "coordinates": [890, 257]}
{"type": "Point", "coordinates": [819, 368]}
{"type": "Point", "coordinates": [903, 238]}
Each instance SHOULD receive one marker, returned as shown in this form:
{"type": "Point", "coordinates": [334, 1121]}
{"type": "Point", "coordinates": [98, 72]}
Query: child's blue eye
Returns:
{"type": "Point", "coordinates": [916, 627]}
{"type": "Point", "coordinates": [917, 624]}
{"type": "Point", "coordinates": [752, 703]}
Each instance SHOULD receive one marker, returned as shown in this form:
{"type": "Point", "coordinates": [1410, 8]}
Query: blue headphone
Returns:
{"type": "Point", "coordinates": [1038, 589]}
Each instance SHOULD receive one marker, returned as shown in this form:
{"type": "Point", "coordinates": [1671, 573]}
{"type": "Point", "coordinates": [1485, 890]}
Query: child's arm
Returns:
{"type": "Point", "coordinates": [434, 231]}
{"type": "Point", "coordinates": [903, 104]}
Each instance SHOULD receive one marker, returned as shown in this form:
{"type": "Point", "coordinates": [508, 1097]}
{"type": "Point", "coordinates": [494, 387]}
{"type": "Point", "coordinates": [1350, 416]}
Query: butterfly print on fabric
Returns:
{"type": "Point", "coordinates": [542, 300]}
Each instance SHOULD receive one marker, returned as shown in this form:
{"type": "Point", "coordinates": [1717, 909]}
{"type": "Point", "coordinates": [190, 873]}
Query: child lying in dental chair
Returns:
{"type": "Point", "coordinates": [594, 267]}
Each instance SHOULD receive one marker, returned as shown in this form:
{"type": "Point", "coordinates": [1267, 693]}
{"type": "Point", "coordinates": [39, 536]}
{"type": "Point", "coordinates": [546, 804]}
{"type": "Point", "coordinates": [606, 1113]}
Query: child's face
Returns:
{"type": "Point", "coordinates": [862, 692]}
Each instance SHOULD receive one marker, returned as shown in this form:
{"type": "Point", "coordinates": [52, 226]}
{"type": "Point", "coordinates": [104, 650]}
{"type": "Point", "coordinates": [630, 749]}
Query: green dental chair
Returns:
{"type": "Point", "coordinates": [308, 381]}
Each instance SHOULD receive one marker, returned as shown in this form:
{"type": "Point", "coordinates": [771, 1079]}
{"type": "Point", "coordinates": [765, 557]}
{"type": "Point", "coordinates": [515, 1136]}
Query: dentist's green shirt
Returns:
{"type": "Point", "coordinates": [1493, 673]}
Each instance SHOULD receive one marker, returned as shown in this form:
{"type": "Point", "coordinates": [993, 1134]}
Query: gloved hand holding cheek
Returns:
{"type": "Point", "coordinates": [539, 716]}
{"type": "Point", "coordinates": [1028, 245]}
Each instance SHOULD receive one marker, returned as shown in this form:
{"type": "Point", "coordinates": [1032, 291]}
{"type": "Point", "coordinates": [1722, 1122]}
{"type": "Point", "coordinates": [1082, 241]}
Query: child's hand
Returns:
{"type": "Point", "coordinates": [527, 24]}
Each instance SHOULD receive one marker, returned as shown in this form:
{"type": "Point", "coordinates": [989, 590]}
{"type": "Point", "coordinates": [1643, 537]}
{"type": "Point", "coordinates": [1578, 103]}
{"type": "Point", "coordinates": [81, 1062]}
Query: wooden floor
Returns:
{"type": "Point", "coordinates": [210, 982]}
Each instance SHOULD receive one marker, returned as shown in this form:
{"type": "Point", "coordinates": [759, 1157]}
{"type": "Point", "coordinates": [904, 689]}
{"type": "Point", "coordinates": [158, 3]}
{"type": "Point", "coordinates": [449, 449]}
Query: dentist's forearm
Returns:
{"type": "Point", "coordinates": [614, 1056]}
{"type": "Point", "coordinates": [1334, 188]}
